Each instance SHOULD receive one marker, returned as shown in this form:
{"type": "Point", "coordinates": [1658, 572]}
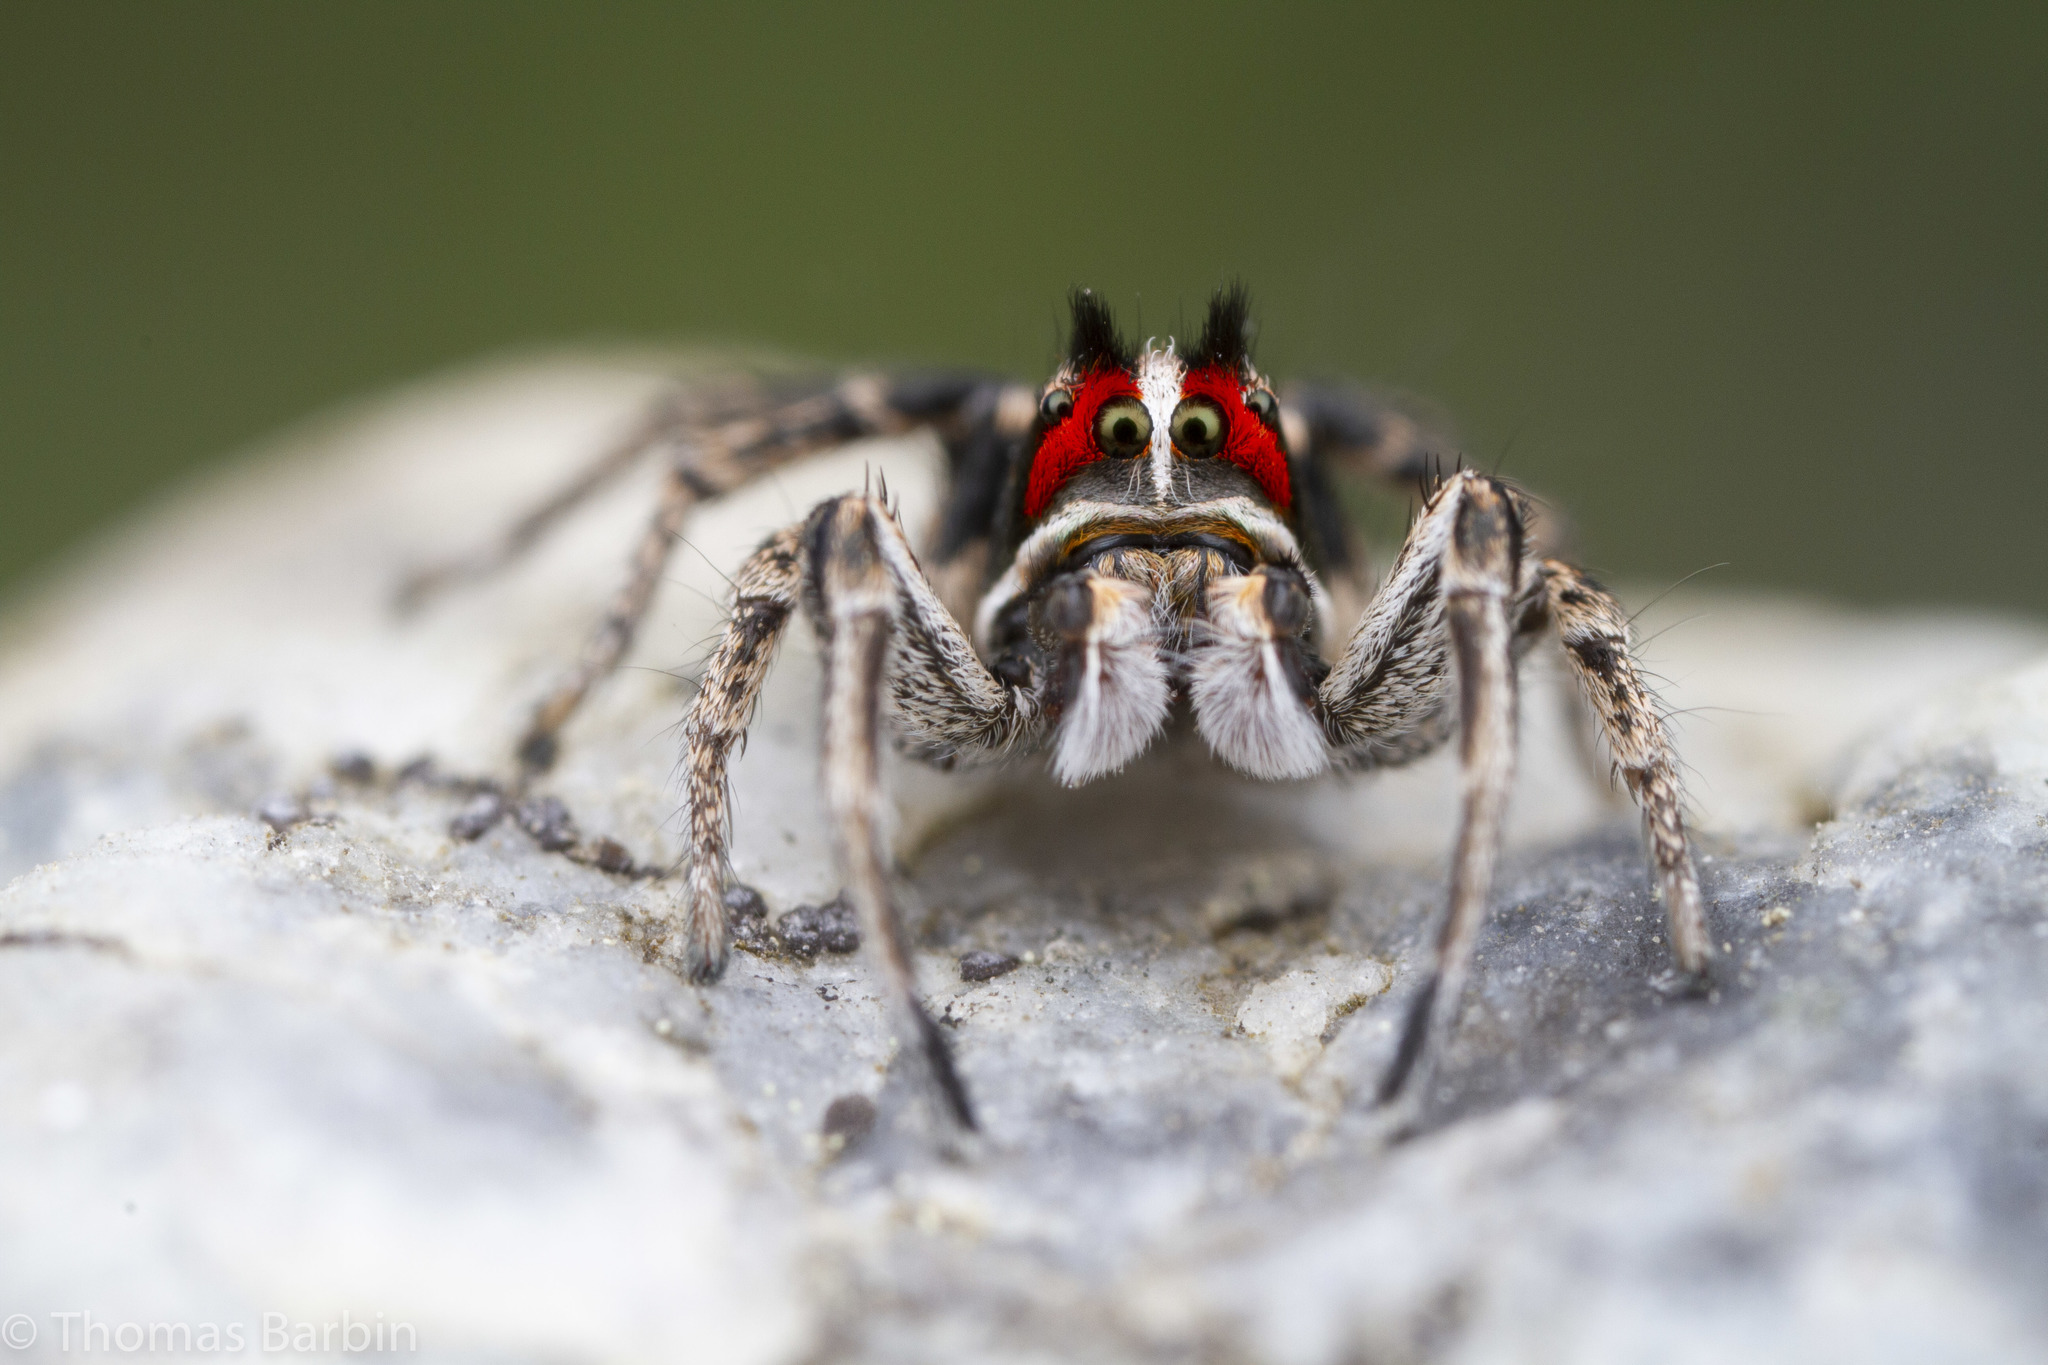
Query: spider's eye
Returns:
{"type": "Point", "coordinates": [1264, 406]}
{"type": "Point", "coordinates": [1123, 429]}
{"type": "Point", "coordinates": [1056, 406]}
{"type": "Point", "coordinates": [1197, 428]}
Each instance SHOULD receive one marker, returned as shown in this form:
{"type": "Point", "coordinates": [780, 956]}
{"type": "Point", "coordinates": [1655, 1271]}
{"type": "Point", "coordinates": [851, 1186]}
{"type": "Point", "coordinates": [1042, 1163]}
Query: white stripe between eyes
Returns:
{"type": "Point", "coordinates": [1159, 376]}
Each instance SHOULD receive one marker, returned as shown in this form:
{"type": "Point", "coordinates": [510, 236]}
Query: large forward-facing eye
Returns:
{"type": "Point", "coordinates": [1123, 428]}
{"type": "Point", "coordinates": [1198, 428]}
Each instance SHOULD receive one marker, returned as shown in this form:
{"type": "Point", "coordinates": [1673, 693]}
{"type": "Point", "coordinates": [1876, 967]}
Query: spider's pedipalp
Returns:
{"type": "Point", "coordinates": [1112, 683]}
{"type": "Point", "coordinates": [1252, 680]}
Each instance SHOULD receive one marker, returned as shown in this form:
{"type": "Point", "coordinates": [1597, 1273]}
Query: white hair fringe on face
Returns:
{"type": "Point", "coordinates": [1160, 372]}
{"type": "Point", "coordinates": [1246, 705]}
{"type": "Point", "coordinates": [1120, 702]}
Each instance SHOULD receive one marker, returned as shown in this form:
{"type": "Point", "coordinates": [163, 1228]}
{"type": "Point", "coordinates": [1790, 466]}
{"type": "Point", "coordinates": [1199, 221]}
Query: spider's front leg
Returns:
{"type": "Point", "coordinates": [1455, 583]}
{"type": "Point", "coordinates": [1461, 598]}
{"type": "Point", "coordinates": [882, 628]}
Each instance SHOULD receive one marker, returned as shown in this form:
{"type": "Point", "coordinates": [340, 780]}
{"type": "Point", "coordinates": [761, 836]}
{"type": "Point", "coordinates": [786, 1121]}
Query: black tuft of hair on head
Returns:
{"type": "Point", "coordinates": [1227, 335]}
{"type": "Point", "coordinates": [1096, 344]}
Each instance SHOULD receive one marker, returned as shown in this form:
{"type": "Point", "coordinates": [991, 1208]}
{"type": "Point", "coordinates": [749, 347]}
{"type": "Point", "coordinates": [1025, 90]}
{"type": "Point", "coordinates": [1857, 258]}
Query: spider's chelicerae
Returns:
{"type": "Point", "coordinates": [1152, 530]}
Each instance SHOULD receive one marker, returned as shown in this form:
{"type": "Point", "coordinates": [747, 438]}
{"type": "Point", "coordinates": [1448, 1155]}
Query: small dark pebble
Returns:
{"type": "Point", "coordinates": [744, 902]}
{"type": "Point", "coordinates": [475, 819]}
{"type": "Point", "coordinates": [421, 769]}
{"type": "Point", "coordinates": [848, 1119]}
{"type": "Point", "coordinates": [609, 855]}
{"type": "Point", "coordinates": [811, 929]}
{"type": "Point", "coordinates": [282, 810]}
{"type": "Point", "coordinates": [981, 965]}
{"type": "Point", "coordinates": [537, 753]}
{"type": "Point", "coordinates": [353, 765]}
{"type": "Point", "coordinates": [549, 822]}
{"type": "Point", "coordinates": [746, 914]}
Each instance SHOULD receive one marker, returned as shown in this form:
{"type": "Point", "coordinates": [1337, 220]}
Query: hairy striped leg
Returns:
{"type": "Point", "coordinates": [1453, 608]}
{"type": "Point", "coordinates": [729, 432]}
{"type": "Point", "coordinates": [661, 421]}
{"type": "Point", "coordinates": [710, 461]}
{"type": "Point", "coordinates": [1385, 700]}
{"type": "Point", "coordinates": [765, 592]}
{"type": "Point", "coordinates": [886, 638]}
{"type": "Point", "coordinates": [718, 445]}
{"type": "Point", "coordinates": [1595, 635]}
{"type": "Point", "coordinates": [614, 634]}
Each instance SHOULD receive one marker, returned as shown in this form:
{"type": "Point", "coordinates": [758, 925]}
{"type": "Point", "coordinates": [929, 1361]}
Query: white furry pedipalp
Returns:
{"type": "Point", "coordinates": [1119, 699]}
{"type": "Point", "coordinates": [1245, 701]}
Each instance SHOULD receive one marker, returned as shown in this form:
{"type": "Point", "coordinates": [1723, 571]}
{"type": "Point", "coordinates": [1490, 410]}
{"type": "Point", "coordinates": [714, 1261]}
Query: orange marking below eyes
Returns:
{"type": "Point", "coordinates": [1247, 442]}
{"type": "Point", "coordinates": [1069, 445]}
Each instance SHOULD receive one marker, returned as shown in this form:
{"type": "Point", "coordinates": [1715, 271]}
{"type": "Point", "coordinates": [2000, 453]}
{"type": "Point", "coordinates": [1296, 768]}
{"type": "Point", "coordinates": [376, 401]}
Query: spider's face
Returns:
{"type": "Point", "coordinates": [1154, 426]}
{"type": "Point", "coordinates": [1158, 562]}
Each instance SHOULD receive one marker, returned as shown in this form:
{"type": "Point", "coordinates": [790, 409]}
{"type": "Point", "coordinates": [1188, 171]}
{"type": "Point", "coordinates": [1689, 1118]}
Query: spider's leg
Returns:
{"type": "Point", "coordinates": [714, 459]}
{"type": "Point", "coordinates": [661, 420]}
{"type": "Point", "coordinates": [1582, 724]}
{"type": "Point", "coordinates": [1336, 430]}
{"type": "Point", "coordinates": [856, 601]}
{"type": "Point", "coordinates": [945, 697]}
{"type": "Point", "coordinates": [1347, 426]}
{"type": "Point", "coordinates": [1595, 633]}
{"type": "Point", "coordinates": [614, 634]}
{"type": "Point", "coordinates": [1456, 584]}
{"type": "Point", "coordinates": [885, 634]}
{"type": "Point", "coordinates": [1385, 700]}
{"type": "Point", "coordinates": [765, 592]}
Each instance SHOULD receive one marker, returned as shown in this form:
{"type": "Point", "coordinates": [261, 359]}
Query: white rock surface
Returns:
{"type": "Point", "coordinates": [359, 1067]}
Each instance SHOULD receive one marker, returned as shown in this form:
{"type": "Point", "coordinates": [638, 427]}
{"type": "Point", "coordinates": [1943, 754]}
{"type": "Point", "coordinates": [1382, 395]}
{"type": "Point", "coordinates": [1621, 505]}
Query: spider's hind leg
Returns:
{"type": "Point", "coordinates": [661, 421]}
{"type": "Point", "coordinates": [713, 458]}
{"type": "Point", "coordinates": [614, 634]}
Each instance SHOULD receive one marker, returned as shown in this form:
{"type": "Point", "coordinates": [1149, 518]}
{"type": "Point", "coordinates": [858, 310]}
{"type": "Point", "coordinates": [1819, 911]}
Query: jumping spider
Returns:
{"type": "Point", "coordinates": [1151, 530]}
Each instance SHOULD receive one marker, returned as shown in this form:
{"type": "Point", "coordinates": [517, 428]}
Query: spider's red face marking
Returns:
{"type": "Point", "coordinates": [1245, 441]}
{"type": "Point", "coordinates": [1158, 406]}
{"type": "Point", "coordinates": [1070, 442]}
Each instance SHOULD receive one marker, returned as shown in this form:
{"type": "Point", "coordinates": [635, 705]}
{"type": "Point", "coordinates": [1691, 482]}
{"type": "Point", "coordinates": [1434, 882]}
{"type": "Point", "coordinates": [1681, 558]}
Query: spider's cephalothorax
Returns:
{"type": "Point", "coordinates": [1152, 530]}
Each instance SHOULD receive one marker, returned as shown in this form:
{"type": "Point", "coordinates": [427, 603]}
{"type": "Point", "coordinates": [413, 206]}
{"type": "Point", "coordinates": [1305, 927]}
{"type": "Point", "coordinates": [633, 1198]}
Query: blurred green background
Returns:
{"type": "Point", "coordinates": [1765, 285]}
